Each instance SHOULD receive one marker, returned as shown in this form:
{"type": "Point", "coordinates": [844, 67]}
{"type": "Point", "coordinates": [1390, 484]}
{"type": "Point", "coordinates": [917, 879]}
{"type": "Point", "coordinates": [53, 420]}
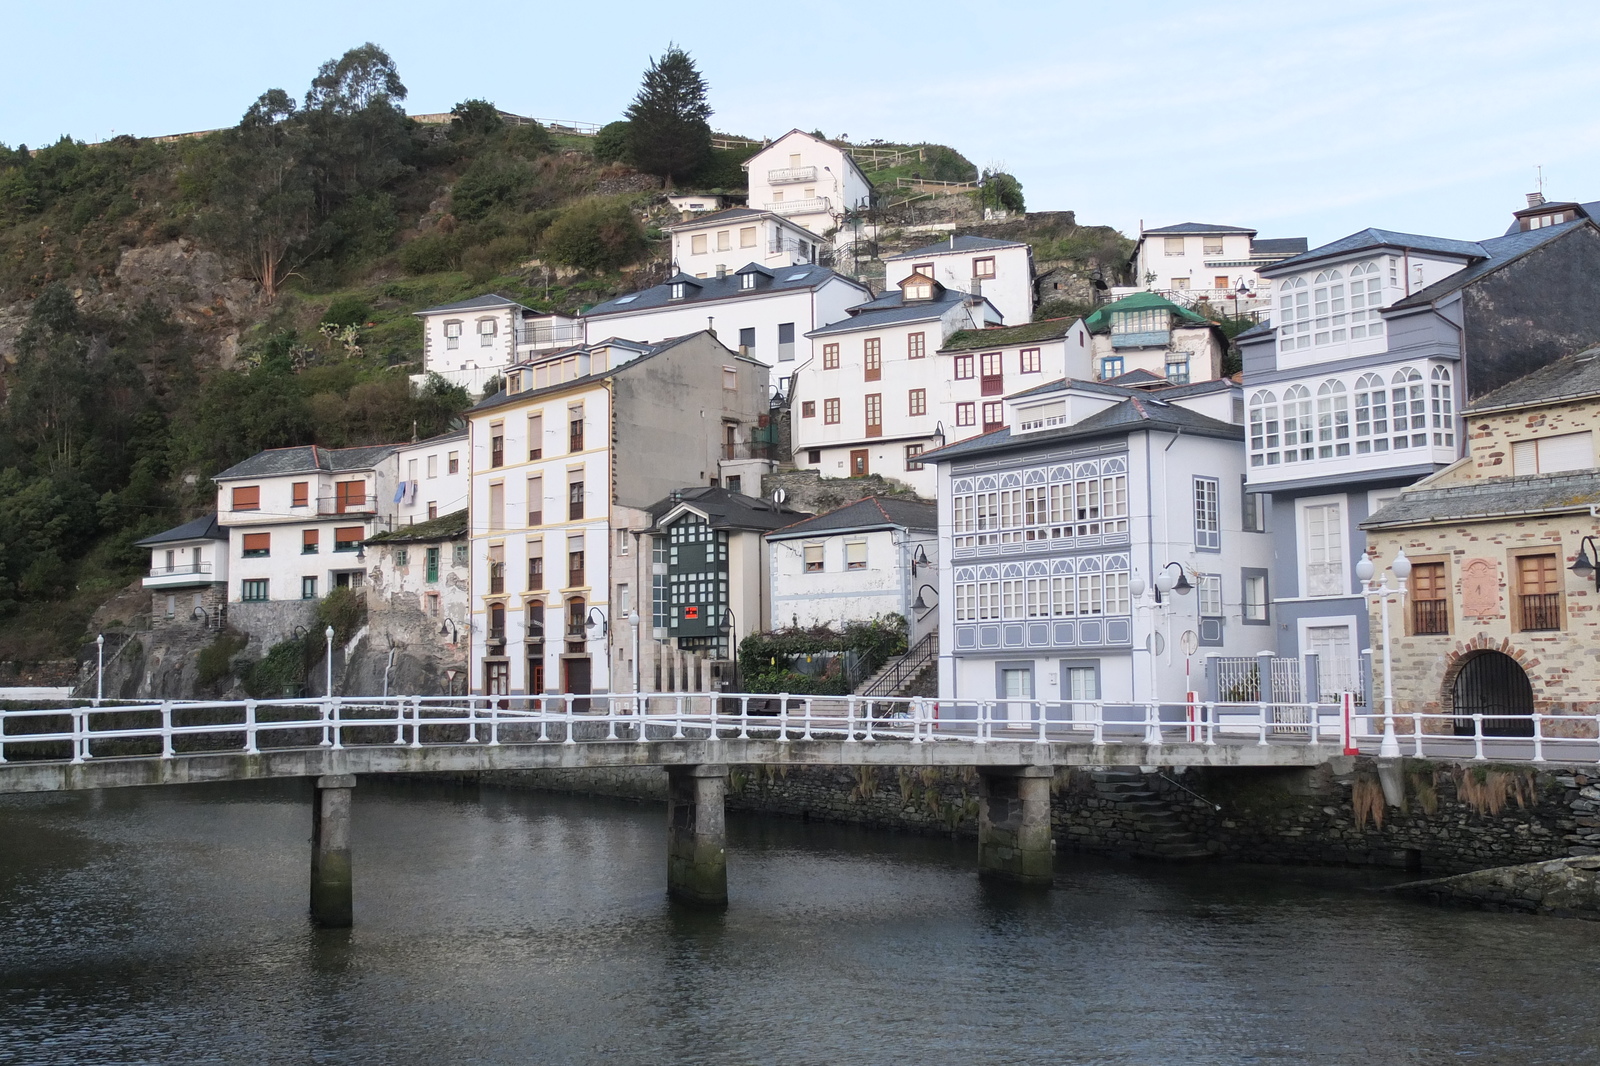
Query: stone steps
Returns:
{"type": "Point", "coordinates": [1158, 831]}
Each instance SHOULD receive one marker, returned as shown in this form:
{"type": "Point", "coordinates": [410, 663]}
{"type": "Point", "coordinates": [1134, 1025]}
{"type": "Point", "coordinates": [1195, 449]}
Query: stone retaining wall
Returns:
{"type": "Point", "coordinates": [1566, 888]}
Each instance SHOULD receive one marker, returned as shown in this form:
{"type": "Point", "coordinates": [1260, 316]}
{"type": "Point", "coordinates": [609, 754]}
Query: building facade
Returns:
{"type": "Point", "coordinates": [470, 342]}
{"type": "Point", "coordinates": [1222, 265]}
{"type": "Point", "coordinates": [1148, 332]}
{"type": "Point", "coordinates": [717, 244]}
{"type": "Point", "coordinates": [999, 271]}
{"type": "Point", "coordinates": [432, 478]}
{"type": "Point", "coordinates": [808, 181]}
{"type": "Point", "coordinates": [418, 604]}
{"type": "Point", "coordinates": [188, 572]}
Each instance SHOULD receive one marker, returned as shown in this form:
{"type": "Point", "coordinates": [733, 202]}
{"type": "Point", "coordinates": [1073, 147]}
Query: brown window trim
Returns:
{"type": "Point", "coordinates": [1514, 585]}
{"type": "Point", "coordinates": [1449, 595]}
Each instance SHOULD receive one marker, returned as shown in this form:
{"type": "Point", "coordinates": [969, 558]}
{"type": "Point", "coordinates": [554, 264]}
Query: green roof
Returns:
{"type": "Point", "coordinates": [1100, 321]}
{"type": "Point", "coordinates": [1048, 330]}
{"type": "Point", "coordinates": [452, 526]}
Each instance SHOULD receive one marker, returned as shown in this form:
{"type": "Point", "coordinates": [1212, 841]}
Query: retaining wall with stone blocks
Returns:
{"type": "Point", "coordinates": [1565, 888]}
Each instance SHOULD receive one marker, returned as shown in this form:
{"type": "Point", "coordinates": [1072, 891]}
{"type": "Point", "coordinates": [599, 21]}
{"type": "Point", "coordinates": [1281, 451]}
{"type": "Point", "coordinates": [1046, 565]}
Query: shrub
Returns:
{"type": "Point", "coordinates": [282, 672]}
{"type": "Point", "coordinates": [595, 234]}
{"type": "Point", "coordinates": [487, 184]}
{"type": "Point", "coordinates": [771, 662]}
{"type": "Point", "coordinates": [215, 661]}
{"type": "Point", "coordinates": [431, 254]}
{"type": "Point", "coordinates": [613, 144]}
{"type": "Point", "coordinates": [348, 311]}
{"type": "Point", "coordinates": [345, 610]}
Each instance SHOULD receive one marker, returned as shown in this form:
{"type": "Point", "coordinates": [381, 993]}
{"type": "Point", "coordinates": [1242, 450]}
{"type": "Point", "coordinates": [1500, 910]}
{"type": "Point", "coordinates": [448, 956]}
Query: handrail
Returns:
{"type": "Point", "coordinates": [907, 666]}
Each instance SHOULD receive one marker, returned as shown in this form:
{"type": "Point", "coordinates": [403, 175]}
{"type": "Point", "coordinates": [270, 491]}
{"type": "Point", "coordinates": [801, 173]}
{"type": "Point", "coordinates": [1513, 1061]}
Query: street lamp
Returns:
{"type": "Point", "coordinates": [99, 668]}
{"type": "Point", "coordinates": [1584, 568]}
{"type": "Point", "coordinates": [1381, 594]}
{"type": "Point", "coordinates": [635, 621]}
{"type": "Point", "coordinates": [921, 604]}
{"type": "Point", "coordinates": [1165, 582]}
{"type": "Point", "coordinates": [328, 634]}
{"type": "Point", "coordinates": [730, 626]}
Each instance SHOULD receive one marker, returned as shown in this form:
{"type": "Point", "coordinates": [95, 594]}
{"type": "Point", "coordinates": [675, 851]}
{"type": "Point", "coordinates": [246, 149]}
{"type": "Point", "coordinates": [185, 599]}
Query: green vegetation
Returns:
{"type": "Point", "coordinates": [596, 234]}
{"type": "Point", "coordinates": [811, 661]}
{"type": "Point", "coordinates": [668, 133]}
{"type": "Point", "coordinates": [215, 660]}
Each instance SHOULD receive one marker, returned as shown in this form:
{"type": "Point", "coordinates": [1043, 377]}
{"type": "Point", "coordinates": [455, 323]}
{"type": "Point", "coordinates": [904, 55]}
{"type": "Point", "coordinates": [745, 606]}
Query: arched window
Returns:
{"type": "Point", "coordinates": [1327, 305]}
{"type": "Point", "coordinates": [1372, 415]}
{"type": "Point", "coordinates": [1294, 315]}
{"type": "Point", "coordinates": [1366, 296]}
{"type": "Point", "coordinates": [1298, 430]}
{"type": "Point", "coordinates": [1493, 684]}
{"type": "Point", "coordinates": [1408, 408]}
{"type": "Point", "coordinates": [1444, 408]}
{"type": "Point", "coordinates": [1333, 420]}
{"type": "Point", "coordinates": [1264, 430]}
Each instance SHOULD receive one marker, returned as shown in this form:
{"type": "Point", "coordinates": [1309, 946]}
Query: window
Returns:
{"type": "Point", "coordinates": [747, 239]}
{"type": "Point", "coordinates": [965, 367]}
{"type": "Point", "coordinates": [460, 555]}
{"type": "Point", "coordinates": [536, 501]}
{"type": "Point", "coordinates": [575, 429]}
{"type": "Point", "coordinates": [253, 590]}
{"type": "Point", "coordinates": [966, 414]}
{"type": "Point", "coordinates": [1550, 455]}
{"type": "Point", "coordinates": [1177, 368]}
{"type": "Point", "coordinates": [1366, 297]}
{"type": "Point", "coordinates": [830, 412]}
{"type": "Point", "coordinates": [299, 494]}
{"type": "Point", "coordinates": [432, 563]}
{"type": "Point", "coordinates": [1444, 420]}
{"type": "Point", "coordinates": [574, 499]}
{"type": "Point", "coordinates": [536, 567]}
{"type": "Point", "coordinates": [808, 409]}
{"type": "Point", "coordinates": [1172, 245]}
{"type": "Point", "coordinates": [1294, 315]}
{"type": "Point", "coordinates": [497, 622]}
{"type": "Point", "coordinates": [1208, 595]}
{"type": "Point", "coordinates": [1333, 420]}
{"type": "Point", "coordinates": [1408, 408]}
{"type": "Point", "coordinates": [983, 268]}
{"type": "Point", "coordinates": [730, 379]}
{"type": "Point", "coordinates": [1327, 306]}
{"type": "Point", "coordinates": [497, 505]}
{"type": "Point", "coordinates": [308, 541]}
{"type": "Point", "coordinates": [257, 545]}
{"type": "Point", "coordinates": [247, 498]}
{"type": "Point", "coordinates": [1207, 515]}
{"type": "Point", "coordinates": [785, 341]}
{"type": "Point", "coordinates": [1220, 281]}
{"type": "Point", "coordinates": [994, 416]}
{"type": "Point", "coordinates": [1538, 593]}
{"type": "Point", "coordinates": [430, 603]}
{"type": "Point", "coordinates": [1179, 283]}
{"type": "Point", "coordinates": [874, 409]}
{"type": "Point", "coordinates": [916, 345]}
{"type": "Point", "coordinates": [677, 290]}
{"type": "Point", "coordinates": [1430, 613]}
{"type": "Point", "coordinates": [624, 600]}
{"type": "Point", "coordinates": [747, 281]}
{"type": "Point", "coordinates": [991, 375]}
{"type": "Point", "coordinates": [830, 357]}
{"type": "Point", "coordinates": [1110, 367]}
{"type": "Point", "coordinates": [1372, 415]}
{"type": "Point", "coordinates": [575, 562]}
{"type": "Point", "coordinates": [916, 290]}
{"type": "Point", "coordinates": [433, 466]}
{"type": "Point", "coordinates": [697, 244]}
{"type": "Point", "coordinates": [1029, 362]}
{"type": "Point", "coordinates": [455, 463]}
{"type": "Point", "coordinates": [535, 437]}
{"type": "Point", "coordinates": [724, 240]}
{"type": "Point", "coordinates": [452, 334]}
{"type": "Point", "coordinates": [486, 332]}
{"type": "Point", "coordinates": [1211, 246]}
{"type": "Point", "coordinates": [1265, 431]}
{"type": "Point", "coordinates": [913, 457]}
{"type": "Point", "coordinates": [308, 588]}
{"type": "Point", "coordinates": [1253, 511]}
{"type": "Point", "coordinates": [497, 444]}
{"type": "Point", "coordinates": [1080, 683]}
{"type": "Point", "coordinates": [813, 455]}
{"type": "Point", "coordinates": [1254, 596]}
{"type": "Point", "coordinates": [747, 335]}
{"type": "Point", "coordinates": [813, 557]}
{"type": "Point", "coordinates": [872, 358]}
{"type": "Point", "coordinates": [734, 483]}
{"type": "Point", "coordinates": [348, 538]}
{"type": "Point", "coordinates": [1324, 550]}
{"type": "Point", "coordinates": [917, 402]}
{"type": "Point", "coordinates": [402, 557]}
{"type": "Point", "coordinates": [855, 555]}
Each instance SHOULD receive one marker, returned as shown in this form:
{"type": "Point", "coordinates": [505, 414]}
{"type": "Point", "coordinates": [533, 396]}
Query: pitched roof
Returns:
{"type": "Point", "coordinates": [203, 528]}
{"type": "Point", "coordinates": [1505, 497]}
{"type": "Point", "coordinates": [646, 351]}
{"type": "Point", "coordinates": [1106, 388]}
{"type": "Point", "coordinates": [1589, 210]}
{"type": "Point", "coordinates": [957, 244]}
{"type": "Point", "coordinates": [452, 526]}
{"type": "Point", "coordinates": [1380, 238]}
{"type": "Point", "coordinates": [803, 278]}
{"type": "Point", "coordinates": [1197, 227]}
{"type": "Point", "coordinates": [870, 512]}
{"type": "Point", "coordinates": [477, 303]}
{"type": "Point", "coordinates": [1577, 377]}
{"type": "Point", "coordinates": [889, 309]}
{"type": "Point", "coordinates": [712, 218]}
{"type": "Point", "coordinates": [1498, 252]}
{"type": "Point", "coordinates": [1135, 414]}
{"type": "Point", "coordinates": [726, 510]}
{"type": "Point", "coordinates": [999, 336]}
{"type": "Point", "coordinates": [1136, 378]}
{"type": "Point", "coordinates": [1100, 320]}
{"type": "Point", "coordinates": [310, 459]}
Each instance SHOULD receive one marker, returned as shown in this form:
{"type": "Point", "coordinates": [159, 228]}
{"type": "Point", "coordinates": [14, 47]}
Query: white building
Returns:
{"type": "Point", "coordinates": [856, 563]}
{"type": "Point", "coordinates": [1148, 333]}
{"type": "Point", "coordinates": [718, 244]}
{"type": "Point", "coordinates": [1195, 261]}
{"type": "Point", "coordinates": [1044, 526]}
{"type": "Point", "coordinates": [469, 342]}
{"type": "Point", "coordinates": [764, 311]}
{"type": "Point", "coordinates": [808, 181]}
{"type": "Point", "coordinates": [978, 367]}
{"type": "Point", "coordinates": [869, 400]}
{"type": "Point", "coordinates": [188, 570]}
{"type": "Point", "coordinates": [695, 203]}
{"type": "Point", "coordinates": [999, 271]}
{"type": "Point", "coordinates": [432, 478]}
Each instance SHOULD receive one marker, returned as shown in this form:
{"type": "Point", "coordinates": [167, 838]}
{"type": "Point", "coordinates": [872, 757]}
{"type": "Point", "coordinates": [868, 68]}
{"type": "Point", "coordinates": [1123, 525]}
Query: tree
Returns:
{"type": "Point", "coordinates": [1002, 190]}
{"type": "Point", "coordinates": [594, 235]}
{"type": "Point", "coordinates": [614, 143]}
{"type": "Point", "coordinates": [472, 118]}
{"type": "Point", "coordinates": [359, 78]}
{"type": "Point", "coordinates": [669, 134]}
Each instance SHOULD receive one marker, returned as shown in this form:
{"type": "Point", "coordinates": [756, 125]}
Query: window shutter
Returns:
{"type": "Point", "coordinates": [1570, 451]}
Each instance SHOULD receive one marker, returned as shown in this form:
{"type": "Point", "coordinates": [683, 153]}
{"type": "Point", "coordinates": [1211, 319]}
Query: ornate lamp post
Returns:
{"type": "Point", "coordinates": [1381, 594]}
{"type": "Point", "coordinates": [328, 635]}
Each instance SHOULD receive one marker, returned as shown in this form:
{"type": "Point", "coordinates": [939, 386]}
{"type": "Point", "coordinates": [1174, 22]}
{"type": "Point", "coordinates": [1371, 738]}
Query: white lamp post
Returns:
{"type": "Point", "coordinates": [328, 633]}
{"type": "Point", "coordinates": [1381, 594]}
{"type": "Point", "coordinates": [99, 668]}
{"type": "Point", "coordinates": [634, 620]}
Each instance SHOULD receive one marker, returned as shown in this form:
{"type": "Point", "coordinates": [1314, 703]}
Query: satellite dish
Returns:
{"type": "Point", "coordinates": [1190, 641]}
{"type": "Point", "coordinates": [779, 496]}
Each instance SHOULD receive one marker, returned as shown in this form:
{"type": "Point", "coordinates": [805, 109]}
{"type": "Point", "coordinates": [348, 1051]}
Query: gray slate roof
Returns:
{"type": "Point", "coordinates": [1278, 245]}
{"type": "Point", "coordinates": [957, 244]}
{"type": "Point", "coordinates": [310, 459]}
{"type": "Point", "coordinates": [1590, 210]}
{"type": "Point", "coordinates": [726, 510]}
{"type": "Point", "coordinates": [727, 214]}
{"type": "Point", "coordinates": [202, 528]}
{"type": "Point", "coordinates": [1381, 238]}
{"type": "Point", "coordinates": [1576, 377]}
{"type": "Point", "coordinates": [803, 278]}
{"type": "Point", "coordinates": [646, 351]}
{"type": "Point", "coordinates": [477, 303]}
{"type": "Point", "coordinates": [452, 526]}
{"type": "Point", "coordinates": [889, 309]}
{"type": "Point", "coordinates": [1106, 388]}
{"type": "Point", "coordinates": [1503, 497]}
{"type": "Point", "coordinates": [1196, 227]}
{"type": "Point", "coordinates": [1135, 414]}
{"type": "Point", "coordinates": [871, 512]}
{"type": "Point", "coordinates": [1499, 251]}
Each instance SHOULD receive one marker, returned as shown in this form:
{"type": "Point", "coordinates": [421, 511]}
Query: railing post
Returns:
{"type": "Point", "coordinates": [1042, 709]}
{"type": "Point", "coordinates": [326, 715]}
{"type": "Point", "coordinates": [338, 734]}
{"type": "Point", "coordinates": [1210, 712]}
{"type": "Point", "coordinates": [1538, 737]}
{"type": "Point", "coordinates": [416, 720]}
{"type": "Point", "coordinates": [1098, 709]}
{"type": "Point", "coordinates": [677, 717]}
{"type": "Point", "coordinates": [1416, 733]}
{"type": "Point", "coordinates": [494, 726]}
{"type": "Point", "coordinates": [850, 719]}
{"type": "Point", "coordinates": [1152, 719]}
{"type": "Point", "coordinates": [783, 718]}
{"type": "Point", "coordinates": [744, 717]}
{"type": "Point", "coordinates": [866, 729]}
{"type": "Point", "coordinates": [1477, 736]}
{"type": "Point", "coordinates": [571, 718]}
{"type": "Point", "coordinates": [807, 735]}
{"type": "Point", "coordinates": [166, 731]}
{"type": "Point", "coordinates": [78, 741]}
{"type": "Point", "coordinates": [472, 719]}
{"type": "Point", "coordinates": [1261, 725]}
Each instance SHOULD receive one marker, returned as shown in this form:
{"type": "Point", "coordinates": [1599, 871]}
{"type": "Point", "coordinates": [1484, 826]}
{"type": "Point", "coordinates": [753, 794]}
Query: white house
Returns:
{"type": "Point", "coordinates": [188, 570]}
{"type": "Point", "coordinates": [716, 244]}
{"type": "Point", "coordinates": [999, 271]}
{"type": "Point", "coordinates": [432, 478]}
{"type": "Point", "coordinates": [855, 563]}
{"type": "Point", "coordinates": [1054, 533]}
{"type": "Point", "coordinates": [1148, 332]}
{"type": "Point", "coordinates": [695, 203]}
{"type": "Point", "coordinates": [869, 398]}
{"type": "Point", "coordinates": [764, 311]}
{"type": "Point", "coordinates": [469, 342]}
{"type": "Point", "coordinates": [976, 368]}
{"type": "Point", "coordinates": [1195, 261]}
{"type": "Point", "coordinates": [808, 181]}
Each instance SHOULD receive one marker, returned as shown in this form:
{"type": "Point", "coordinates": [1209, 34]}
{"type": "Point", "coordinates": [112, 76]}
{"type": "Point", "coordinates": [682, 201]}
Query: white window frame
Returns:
{"type": "Point", "coordinates": [1207, 520]}
{"type": "Point", "coordinates": [1302, 544]}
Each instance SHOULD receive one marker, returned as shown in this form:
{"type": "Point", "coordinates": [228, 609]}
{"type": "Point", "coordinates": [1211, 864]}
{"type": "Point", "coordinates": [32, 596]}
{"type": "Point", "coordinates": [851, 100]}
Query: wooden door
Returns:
{"type": "Point", "coordinates": [575, 678]}
{"type": "Point", "coordinates": [858, 463]}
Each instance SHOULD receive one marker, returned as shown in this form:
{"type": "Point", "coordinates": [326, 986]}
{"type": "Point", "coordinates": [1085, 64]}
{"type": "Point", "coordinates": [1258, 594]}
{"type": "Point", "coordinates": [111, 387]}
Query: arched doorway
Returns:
{"type": "Point", "coordinates": [1494, 685]}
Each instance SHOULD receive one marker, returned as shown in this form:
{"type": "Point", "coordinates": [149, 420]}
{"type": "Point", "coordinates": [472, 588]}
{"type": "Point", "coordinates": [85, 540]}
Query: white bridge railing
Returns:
{"type": "Point", "coordinates": [75, 732]}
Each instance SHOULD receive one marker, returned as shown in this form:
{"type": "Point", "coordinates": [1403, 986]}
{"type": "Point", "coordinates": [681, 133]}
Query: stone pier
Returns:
{"type": "Point", "coordinates": [1014, 842]}
{"type": "Point", "coordinates": [331, 890]}
{"type": "Point", "coordinates": [697, 838]}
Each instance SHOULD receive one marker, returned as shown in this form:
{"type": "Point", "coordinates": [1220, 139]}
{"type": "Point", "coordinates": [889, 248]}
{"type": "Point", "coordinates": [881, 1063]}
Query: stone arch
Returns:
{"type": "Point", "coordinates": [1484, 655]}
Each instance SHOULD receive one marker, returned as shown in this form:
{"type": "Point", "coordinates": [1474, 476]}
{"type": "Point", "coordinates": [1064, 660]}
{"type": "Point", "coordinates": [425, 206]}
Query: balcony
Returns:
{"type": "Point", "coordinates": [178, 576]}
{"type": "Point", "coordinates": [549, 336]}
{"type": "Point", "coordinates": [1430, 617]}
{"type": "Point", "coordinates": [816, 205]}
{"type": "Point", "coordinates": [748, 449]}
{"type": "Point", "coordinates": [1540, 611]}
{"type": "Point", "coordinates": [788, 175]}
{"type": "Point", "coordinates": [1151, 339]}
{"type": "Point", "coordinates": [347, 504]}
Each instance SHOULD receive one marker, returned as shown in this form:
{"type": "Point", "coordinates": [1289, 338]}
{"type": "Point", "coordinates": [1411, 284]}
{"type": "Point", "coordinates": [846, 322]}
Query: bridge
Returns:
{"type": "Point", "coordinates": [1016, 746]}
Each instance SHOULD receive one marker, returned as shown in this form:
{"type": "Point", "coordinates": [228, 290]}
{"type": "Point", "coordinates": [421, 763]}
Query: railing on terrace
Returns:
{"type": "Point", "coordinates": [749, 449]}
{"type": "Point", "coordinates": [814, 205]}
{"type": "Point", "coordinates": [544, 337]}
{"type": "Point", "coordinates": [175, 571]}
{"type": "Point", "coordinates": [929, 185]}
{"type": "Point", "coordinates": [346, 504]}
{"type": "Point", "coordinates": [786, 175]}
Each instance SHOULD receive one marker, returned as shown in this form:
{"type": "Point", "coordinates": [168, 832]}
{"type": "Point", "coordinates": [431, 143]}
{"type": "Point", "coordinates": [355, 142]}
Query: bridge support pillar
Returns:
{"type": "Point", "coordinates": [697, 858]}
{"type": "Point", "coordinates": [1014, 842]}
{"type": "Point", "coordinates": [331, 890]}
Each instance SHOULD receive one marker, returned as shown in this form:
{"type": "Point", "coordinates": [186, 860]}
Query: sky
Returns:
{"type": "Point", "coordinates": [1294, 118]}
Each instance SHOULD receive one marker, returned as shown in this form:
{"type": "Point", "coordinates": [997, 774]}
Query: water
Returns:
{"type": "Point", "coordinates": [168, 926]}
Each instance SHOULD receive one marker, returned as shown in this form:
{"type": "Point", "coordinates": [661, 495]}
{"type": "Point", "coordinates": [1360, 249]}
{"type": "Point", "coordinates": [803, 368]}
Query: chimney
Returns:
{"type": "Point", "coordinates": [722, 270]}
{"type": "Point", "coordinates": [1535, 199]}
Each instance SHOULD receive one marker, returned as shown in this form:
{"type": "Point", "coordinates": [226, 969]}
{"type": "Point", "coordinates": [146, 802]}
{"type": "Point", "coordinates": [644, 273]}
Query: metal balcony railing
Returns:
{"type": "Point", "coordinates": [346, 504]}
{"type": "Point", "coordinates": [1541, 611]}
{"type": "Point", "coordinates": [1430, 617]}
{"type": "Point", "coordinates": [540, 338]}
{"type": "Point", "coordinates": [785, 175]}
{"type": "Point", "coordinates": [176, 571]}
{"type": "Point", "coordinates": [815, 205]}
{"type": "Point", "coordinates": [748, 449]}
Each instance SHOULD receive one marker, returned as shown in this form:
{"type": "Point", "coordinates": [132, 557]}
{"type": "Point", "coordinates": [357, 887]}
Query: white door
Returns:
{"type": "Point", "coordinates": [1334, 648]}
{"type": "Point", "coordinates": [1016, 684]}
{"type": "Point", "coordinates": [1082, 688]}
{"type": "Point", "coordinates": [1324, 550]}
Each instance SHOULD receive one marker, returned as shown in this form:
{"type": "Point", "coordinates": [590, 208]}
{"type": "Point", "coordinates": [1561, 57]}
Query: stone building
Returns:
{"type": "Point", "coordinates": [1501, 615]}
{"type": "Point", "coordinates": [188, 577]}
{"type": "Point", "coordinates": [418, 605]}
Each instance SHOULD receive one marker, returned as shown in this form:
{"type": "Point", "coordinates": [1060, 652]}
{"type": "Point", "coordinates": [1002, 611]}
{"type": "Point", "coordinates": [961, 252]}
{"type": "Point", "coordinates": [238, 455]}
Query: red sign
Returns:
{"type": "Point", "coordinates": [691, 614]}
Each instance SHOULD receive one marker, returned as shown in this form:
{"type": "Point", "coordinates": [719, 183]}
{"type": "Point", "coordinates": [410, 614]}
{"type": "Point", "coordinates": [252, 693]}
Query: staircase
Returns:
{"type": "Point", "coordinates": [900, 674]}
{"type": "Point", "coordinates": [1158, 832]}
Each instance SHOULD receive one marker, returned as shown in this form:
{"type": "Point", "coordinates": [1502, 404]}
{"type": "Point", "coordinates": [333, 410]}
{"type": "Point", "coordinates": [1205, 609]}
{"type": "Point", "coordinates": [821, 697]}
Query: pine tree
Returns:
{"type": "Point", "coordinates": [667, 120]}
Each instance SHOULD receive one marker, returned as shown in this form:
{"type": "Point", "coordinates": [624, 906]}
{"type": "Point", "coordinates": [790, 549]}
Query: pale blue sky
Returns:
{"type": "Point", "coordinates": [1300, 119]}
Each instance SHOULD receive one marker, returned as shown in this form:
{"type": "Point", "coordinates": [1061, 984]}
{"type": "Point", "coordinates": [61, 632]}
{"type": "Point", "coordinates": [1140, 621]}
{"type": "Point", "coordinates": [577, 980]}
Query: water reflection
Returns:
{"type": "Point", "coordinates": [169, 926]}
